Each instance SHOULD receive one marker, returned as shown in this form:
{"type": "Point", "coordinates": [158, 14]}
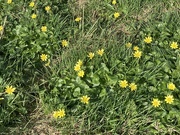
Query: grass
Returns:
{"type": "Point", "coordinates": [41, 90]}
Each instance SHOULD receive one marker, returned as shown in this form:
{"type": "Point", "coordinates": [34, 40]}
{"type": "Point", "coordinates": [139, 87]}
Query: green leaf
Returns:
{"type": "Point", "coordinates": [80, 83]}
{"type": "Point", "coordinates": [175, 73]}
{"type": "Point", "coordinates": [77, 92]}
{"type": "Point", "coordinates": [149, 65]}
{"type": "Point", "coordinates": [1, 80]}
{"type": "Point", "coordinates": [54, 90]}
{"type": "Point", "coordinates": [111, 80]}
{"type": "Point", "coordinates": [95, 80]}
{"type": "Point", "coordinates": [61, 82]}
{"type": "Point", "coordinates": [103, 93]}
{"type": "Point", "coordinates": [104, 67]}
{"type": "Point", "coordinates": [109, 6]}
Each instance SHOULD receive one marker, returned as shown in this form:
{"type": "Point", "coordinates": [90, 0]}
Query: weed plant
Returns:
{"type": "Point", "coordinates": [94, 67]}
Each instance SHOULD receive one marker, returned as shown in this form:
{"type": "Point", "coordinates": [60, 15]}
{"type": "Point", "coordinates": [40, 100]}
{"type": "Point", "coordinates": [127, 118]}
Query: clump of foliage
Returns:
{"type": "Point", "coordinates": [94, 66]}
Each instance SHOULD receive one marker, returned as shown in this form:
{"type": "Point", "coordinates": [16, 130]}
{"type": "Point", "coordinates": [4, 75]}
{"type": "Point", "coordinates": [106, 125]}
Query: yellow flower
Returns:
{"type": "Point", "coordinates": [169, 99]}
{"type": "Point", "coordinates": [9, 90]}
{"type": "Point", "coordinates": [128, 45]}
{"type": "Point", "coordinates": [31, 4]}
{"type": "Point", "coordinates": [171, 86]}
{"type": "Point", "coordinates": [80, 62]}
{"type": "Point", "coordinates": [78, 19]}
{"type": "Point", "coordinates": [114, 2]}
{"type": "Point", "coordinates": [48, 63]}
{"type": "Point", "coordinates": [137, 54]}
{"type": "Point", "coordinates": [55, 114]}
{"type": "Point", "coordinates": [43, 28]}
{"type": "Point", "coordinates": [123, 84]}
{"type": "Point", "coordinates": [148, 39]}
{"type": "Point", "coordinates": [9, 1]}
{"type": "Point", "coordinates": [47, 8]}
{"type": "Point", "coordinates": [60, 113]}
{"type": "Point", "coordinates": [174, 45]}
{"type": "Point", "coordinates": [85, 99]}
{"type": "Point", "coordinates": [43, 57]}
{"type": "Point", "coordinates": [81, 73]}
{"type": "Point", "coordinates": [77, 67]}
{"type": "Point", "coordinates": [135, 48]}
{"type": "Point", "coordinates": [64, 43]}
{"type": "Point", "coordinates": [100, 52]}
{"type": "Point", "coordinates": [33, 16]}
{"type": "Point", "coordinates": [1, 27]}
{"type": "Point", "coordinates": [116, 15]}
{"type": "Point", "coordinates": [156, 102]}
{"type": "Point", "coordinates": [133, 86]}
{"type": "Point", "coordinates": [91, 55]}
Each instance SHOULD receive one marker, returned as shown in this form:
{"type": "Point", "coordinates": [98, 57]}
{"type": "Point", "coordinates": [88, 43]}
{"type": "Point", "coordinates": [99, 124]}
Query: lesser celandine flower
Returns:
{"type": "Point", "coordinates": [80, 62]}
{"type": "Point", "coordinates": [100, 52]}
{"type": "Point", "coordinates": [43, 28]}
{"type": "Point", "coordinates": [135, 48]}
{"type": "Point", "coordinates": [31, 4]}
{"type": "Point", "coordinates": [78, 19]}
{"type": "Point", "coordinates": [91, 55]}
{"type": "Point", "coordinates": [9, 90]}
{"type": "Point", "coordinates": [171, 86]}
{"type": "Point", "coordinates": [9, 1]}
{"type": "Point", "coordinates": [148, 39]}
{"type": "Point", "coordinates": [133, 86]}
{"type": "Point", "coordinates": [81, 73]}
{"type": "Point", "coordinates": [174, 45]}
{"type": "Point", "coordinates": [114, 2]}
{"type": "Point", "coordinates": [169, 99]}
{"type": "Point", "coordinates": [128, 45]}
{"type": "Point", "coordinates": [137, 54]}
{"type": "Point", "coordinates": [64, 43]}
{"type": "Point", "coordinates": [123, 84]}
{"type": "Point", "coordinates": [55, 114]}
{"type": "Point", "coordinates": [77, 67]}
{"type": "Point", "coordinates": [47, 8]}
{"type": "Point", "coordinates": [59, 114]}
{"type": "Point", "coordinates": [156, 102]}
{"type": "Point", "coordinates": [48, 63]}
{"type": "Point", "coordinates": [33, 16]}
{"type": "Point", "coordinates": [43, 57]}
{"type": "Point", "coordinates": [85, 99]}
{"type": "Point", "coordinates": [1, 27]}
{"type": "Point", "coordinates": [116, 15]}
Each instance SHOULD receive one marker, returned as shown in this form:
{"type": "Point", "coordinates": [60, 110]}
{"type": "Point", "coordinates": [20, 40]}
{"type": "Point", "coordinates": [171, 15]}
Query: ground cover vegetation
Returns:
{"type": "Point", "coordinates": [89, 67]}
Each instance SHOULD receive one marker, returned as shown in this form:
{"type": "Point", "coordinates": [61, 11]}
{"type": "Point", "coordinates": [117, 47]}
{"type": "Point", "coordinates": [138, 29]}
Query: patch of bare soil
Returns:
{"type": "Point", "coordinates": [81, 3]}
{"type": "Point", "coordinates": [40, 124]}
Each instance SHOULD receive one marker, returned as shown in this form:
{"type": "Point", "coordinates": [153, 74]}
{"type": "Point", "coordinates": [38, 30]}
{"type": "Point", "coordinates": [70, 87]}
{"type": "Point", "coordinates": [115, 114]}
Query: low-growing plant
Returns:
{"type": "Point", "coordinates": [96, 67]}
{"type": "Point", "coordinates": [138, 78]}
